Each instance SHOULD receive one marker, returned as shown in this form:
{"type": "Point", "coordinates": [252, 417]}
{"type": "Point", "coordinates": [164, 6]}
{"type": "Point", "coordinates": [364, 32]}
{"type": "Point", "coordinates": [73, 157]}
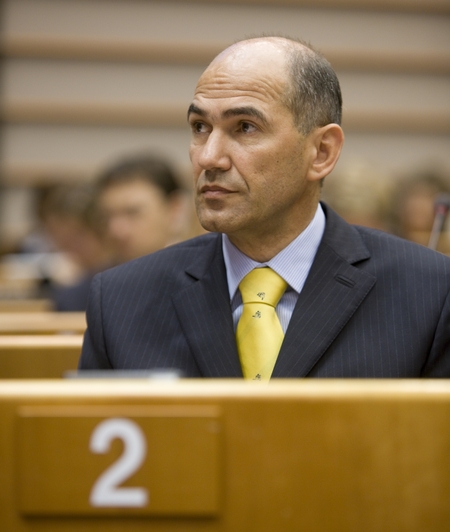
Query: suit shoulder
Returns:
{"type": "Point", "coordinates": [164, 261]}
{"type": "Point", "coordinates": [372, 248]}
{"type": "Point", "coordinates": [392, 247]}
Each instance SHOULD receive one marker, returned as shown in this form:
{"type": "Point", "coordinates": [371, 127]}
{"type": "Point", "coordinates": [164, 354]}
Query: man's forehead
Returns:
{"type": "Point", "coordinates": [250, 59]}
{"type": "Point", "coordinates": [244, 75]}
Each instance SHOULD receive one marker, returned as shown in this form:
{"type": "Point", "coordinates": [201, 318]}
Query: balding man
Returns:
{"type": "Point", "coordinates": [281, 287]}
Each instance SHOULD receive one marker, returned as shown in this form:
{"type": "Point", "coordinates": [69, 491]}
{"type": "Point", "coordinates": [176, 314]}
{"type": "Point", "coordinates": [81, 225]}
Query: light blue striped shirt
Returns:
{"type": "Point", "coordinates": [292, 264]}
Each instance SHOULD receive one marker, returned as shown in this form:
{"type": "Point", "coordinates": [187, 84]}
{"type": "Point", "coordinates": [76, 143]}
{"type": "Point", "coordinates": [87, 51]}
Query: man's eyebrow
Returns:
{"type": "Point", "coordinates": [196, 110]}
{"type": "Point", "coordinates": [247, 111]}
{"type": "Point", "coordinates": [234, 111]}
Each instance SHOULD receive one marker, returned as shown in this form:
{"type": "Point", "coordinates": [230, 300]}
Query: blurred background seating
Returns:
{"type": "Point", "coordinates": [361, 193]}
{"type": "Point", "coordinates": [86, 84]}
{"type": "Point", "coordinates": [414, 197]}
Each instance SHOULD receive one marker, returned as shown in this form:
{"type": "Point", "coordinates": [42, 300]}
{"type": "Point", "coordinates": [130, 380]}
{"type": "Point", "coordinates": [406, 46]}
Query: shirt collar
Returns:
{"type": "Point", "coordinates": [292, 263]}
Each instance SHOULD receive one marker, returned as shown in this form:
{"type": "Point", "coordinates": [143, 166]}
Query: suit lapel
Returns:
{"type": "Point", "coordinates": [204, 311]}
{"type": "Point", "coordinates": [333, 291]}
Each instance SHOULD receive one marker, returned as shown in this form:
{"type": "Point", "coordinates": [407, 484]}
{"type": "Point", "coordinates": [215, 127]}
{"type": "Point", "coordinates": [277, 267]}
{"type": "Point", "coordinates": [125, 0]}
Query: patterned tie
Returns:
{"type": "Point", "coordinates": [259, 334]}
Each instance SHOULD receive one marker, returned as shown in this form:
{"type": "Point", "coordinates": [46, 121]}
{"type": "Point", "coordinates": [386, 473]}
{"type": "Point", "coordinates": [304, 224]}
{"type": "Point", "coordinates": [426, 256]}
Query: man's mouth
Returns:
{"type": "Point", "coordinates": [214, 191]}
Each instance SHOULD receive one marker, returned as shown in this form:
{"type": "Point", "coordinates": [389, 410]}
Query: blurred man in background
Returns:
{"type": "Point", "coordinates": [143, 206]}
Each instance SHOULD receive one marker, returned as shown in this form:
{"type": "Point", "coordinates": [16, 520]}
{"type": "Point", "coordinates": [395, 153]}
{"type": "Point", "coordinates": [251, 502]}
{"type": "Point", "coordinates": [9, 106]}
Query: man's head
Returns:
{"type": "Point", "coordinates": [265, 132]}
{"type": "Point", "coordinates": [140, 200]}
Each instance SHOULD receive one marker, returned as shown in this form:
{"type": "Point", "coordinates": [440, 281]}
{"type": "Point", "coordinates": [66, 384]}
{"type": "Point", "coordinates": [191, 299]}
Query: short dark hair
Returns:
{"type": "Point", "coordinates": [153, 169]}
{"type": "Point", "coordinates": [70, 201]}
{"type": "Point", "coordinates": [313, 94]}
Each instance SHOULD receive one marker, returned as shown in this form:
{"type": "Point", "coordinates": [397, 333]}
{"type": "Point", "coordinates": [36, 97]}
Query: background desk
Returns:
{"type": "Point", "coordinates": [42, 322]}
{"type": "Point", "coordinates": [39, 356]}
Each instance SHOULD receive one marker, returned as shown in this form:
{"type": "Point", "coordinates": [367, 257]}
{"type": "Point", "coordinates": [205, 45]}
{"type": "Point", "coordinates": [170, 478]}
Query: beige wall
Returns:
{"type": "Point", "coordinates": [69, 106]}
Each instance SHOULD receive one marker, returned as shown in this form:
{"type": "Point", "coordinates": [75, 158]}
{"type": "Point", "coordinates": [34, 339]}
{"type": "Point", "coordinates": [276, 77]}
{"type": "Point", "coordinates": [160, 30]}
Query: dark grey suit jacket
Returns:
{"type": "Point", "coordinates": [373, 306]}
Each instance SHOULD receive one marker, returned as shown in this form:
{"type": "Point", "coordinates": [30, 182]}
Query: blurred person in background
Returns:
{"type": "Point", "coordinates": [361, 194]}
{"type": "Point", "coordinates": [143, 205]}
{"type": "Point", "coordinates": [70, 217]}
{"type": "Point", "coordinates": [414, 201]}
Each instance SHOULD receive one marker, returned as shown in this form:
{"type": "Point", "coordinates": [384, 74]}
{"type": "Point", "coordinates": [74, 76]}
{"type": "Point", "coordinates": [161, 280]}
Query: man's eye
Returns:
{"type": "Point", "coordinates": [246, 127]}
{"type": "Point", "coordinates": [198, 127]}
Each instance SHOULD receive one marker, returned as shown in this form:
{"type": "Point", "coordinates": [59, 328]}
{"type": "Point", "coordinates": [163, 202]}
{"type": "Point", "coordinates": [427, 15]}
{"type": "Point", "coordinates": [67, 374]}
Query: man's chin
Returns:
{"type": "Point", "coordinates": [213, 224]}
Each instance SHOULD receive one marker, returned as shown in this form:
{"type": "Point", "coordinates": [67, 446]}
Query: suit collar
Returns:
{"type": "Point", "coordinates": [343, 238]}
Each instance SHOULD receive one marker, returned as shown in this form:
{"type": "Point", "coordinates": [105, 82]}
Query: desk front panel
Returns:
{"type": "Point", "coordinates": [230, 456]}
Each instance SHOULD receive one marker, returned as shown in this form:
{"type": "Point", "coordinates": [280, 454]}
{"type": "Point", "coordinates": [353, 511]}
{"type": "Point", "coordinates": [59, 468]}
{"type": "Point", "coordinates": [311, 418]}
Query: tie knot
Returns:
{"type": "Point", "coordinates": [262, 285]}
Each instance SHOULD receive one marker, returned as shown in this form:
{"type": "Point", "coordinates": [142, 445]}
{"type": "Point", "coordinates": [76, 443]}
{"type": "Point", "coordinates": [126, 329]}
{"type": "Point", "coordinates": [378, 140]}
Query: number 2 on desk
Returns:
{"type": "Point", "coordinates": [106, 492]}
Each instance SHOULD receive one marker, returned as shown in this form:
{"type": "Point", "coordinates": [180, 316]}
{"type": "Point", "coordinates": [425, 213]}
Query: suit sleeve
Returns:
{"type": "Point", "coordinates": [438, 363]}
{"type": "Point", "coordinates": [94, 354]}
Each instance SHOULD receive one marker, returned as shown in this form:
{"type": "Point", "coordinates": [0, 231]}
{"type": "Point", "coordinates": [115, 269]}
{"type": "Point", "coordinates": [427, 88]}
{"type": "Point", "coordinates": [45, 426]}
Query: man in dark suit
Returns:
{"type": "Point", "coordinates": [358, 302]}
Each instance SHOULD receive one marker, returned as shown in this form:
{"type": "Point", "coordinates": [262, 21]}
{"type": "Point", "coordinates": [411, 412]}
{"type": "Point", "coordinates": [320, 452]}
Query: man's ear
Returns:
{"type": "Point", "coordinates": [325, 147]}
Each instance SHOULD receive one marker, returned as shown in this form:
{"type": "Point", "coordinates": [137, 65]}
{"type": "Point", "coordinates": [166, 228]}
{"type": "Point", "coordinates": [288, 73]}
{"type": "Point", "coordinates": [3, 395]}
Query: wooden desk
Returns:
{"type": "Point", "coordinates": [225, 456]}
{"type": "Point", "coordinates": [26, 305]}
{"type": "Point", "coordinates": [42, 322]}
{"type": "Point", "coordinates": [38, 357]}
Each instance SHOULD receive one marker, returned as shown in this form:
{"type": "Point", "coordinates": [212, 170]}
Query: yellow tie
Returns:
{"type": "Point", "coordinates": [259, 334]}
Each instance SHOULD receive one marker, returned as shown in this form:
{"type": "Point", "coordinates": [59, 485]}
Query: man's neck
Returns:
{"type": "Point", "coordinates": [262, 247]}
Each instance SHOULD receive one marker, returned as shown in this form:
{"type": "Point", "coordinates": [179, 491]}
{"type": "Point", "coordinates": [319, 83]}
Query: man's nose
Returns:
{"type": "Point", "coordinates": [118, 227]}
{"type": "Point", "coordinates": [214, 153]}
